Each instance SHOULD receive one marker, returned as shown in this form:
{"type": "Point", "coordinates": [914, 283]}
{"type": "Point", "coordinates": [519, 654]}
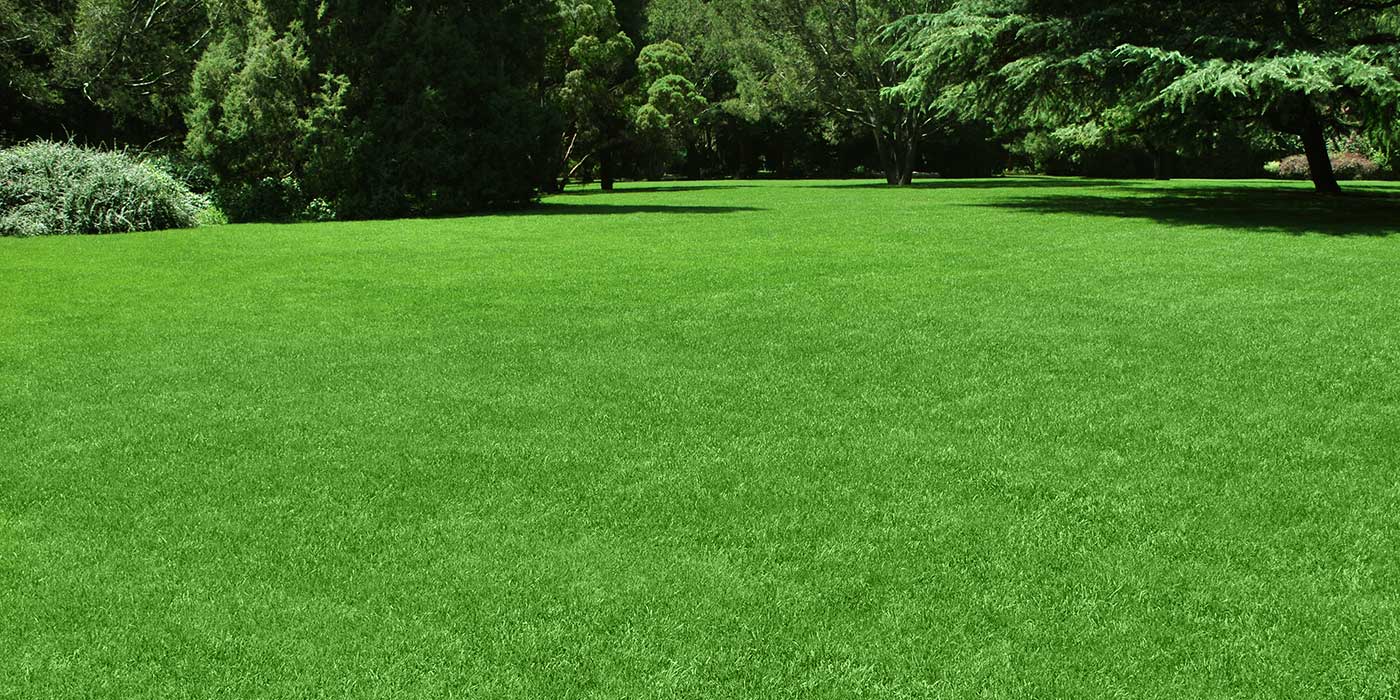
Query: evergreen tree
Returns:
{"type": "Point", "coordinates": [1165, 68]}
{"type": "Point", "coordinates": [614, 97]}
{"type": "Point", "coordinates": [373, 109]}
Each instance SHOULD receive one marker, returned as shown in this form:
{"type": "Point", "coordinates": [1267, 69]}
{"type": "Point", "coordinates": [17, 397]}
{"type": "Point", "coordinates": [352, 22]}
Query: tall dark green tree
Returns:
{"type": "Point", "coordinates": [751, 121]}
{"type": "Point", "coordinates": [595, 57]}
{"type": "Point", "coordinates": [379, 109]}
{"type": "Point", "coordinates": [252, 98]}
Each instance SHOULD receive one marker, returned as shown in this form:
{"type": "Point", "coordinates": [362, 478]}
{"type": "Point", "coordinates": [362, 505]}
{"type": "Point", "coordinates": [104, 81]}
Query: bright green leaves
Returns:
{"type": "Point", "coordinates": [614, 96]}
{"type": "Point", "coordinates": [249, 99]}
{"type": "Point", "coordinates": [1360, 72]}
{"type": "Point", "coordinates": [255, 111]}
{"type": "Point", "coordinates": [672, 100]}
{"type": "Point", "coordinates": [661, 59]}
{"type": "Point", "coordinates": [1159, 71]}
{"type": "Point", "coordinates": [599, 54]}
{"type": "Point", "coordinates": [598, 51]}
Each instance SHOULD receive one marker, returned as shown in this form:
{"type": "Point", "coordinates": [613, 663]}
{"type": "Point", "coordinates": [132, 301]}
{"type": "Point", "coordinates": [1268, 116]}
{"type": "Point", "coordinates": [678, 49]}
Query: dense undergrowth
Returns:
{"type": "Point", "coordinates": [52, 188]}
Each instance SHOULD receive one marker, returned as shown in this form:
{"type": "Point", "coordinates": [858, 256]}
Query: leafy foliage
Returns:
{"type": "Point", "coordinates": [49, 188]}
{"type": "Point", "coordinates": [671, 102]}
{"type": "Point", "coordinates": [31, 34]}
{"type": "Point", "coordinates": [1165, 71]}
{"type": "Point", "coordinates": [98, 69]}
{"type": "Point", "coordinates": [134, 58]}
{"type": "Point", "coordinates": [592, 97]}
{"type": "Point", "coordinates": [615, 98]}
{"type": "Point", "coordinates": [837, 54]}
{"type": "Point", "coordinates": [373, 110]}
{"type": "Point", "coordinates": [249, 117]}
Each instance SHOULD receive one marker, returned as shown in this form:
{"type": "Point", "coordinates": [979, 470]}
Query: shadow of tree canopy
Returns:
{"type": "Point", "coordinates": [984, 183]}
{"type": "Point", "coordinates": [560, 209]}
{"type": "Point", "coordinates": [1358, 212]}
{"type": "Point", "coordinates": [625, 189]}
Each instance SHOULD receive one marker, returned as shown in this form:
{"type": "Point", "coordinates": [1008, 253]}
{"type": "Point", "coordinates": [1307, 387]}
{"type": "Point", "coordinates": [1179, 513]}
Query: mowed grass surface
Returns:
{"type": "Point", "coordinates": [1012, 438]}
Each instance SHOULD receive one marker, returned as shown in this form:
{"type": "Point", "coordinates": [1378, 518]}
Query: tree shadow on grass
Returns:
{"type": "Point", "coordinates": [624, 189]}
{"type": "Point", "coordinates": [981, 183]}
{"type": "Point", "coordinates": [561, 209]}
{"type": "Point", "coordinates": [1359, 212]}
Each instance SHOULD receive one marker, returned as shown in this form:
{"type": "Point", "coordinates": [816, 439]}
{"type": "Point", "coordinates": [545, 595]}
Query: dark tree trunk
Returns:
{"type": "Point", "coordinates": [605, 169]}
{"type": "Point", "coordinates": [911, 152]}
{"type": "Point", "coordinates": [693, 163]}
{"type": "Point", "coordinates": [897, 158]}
{"type": "Point", "coordinates": [882, 149]}
{"type": "Point", "coordinates": [778, 164]}
{"type": "Point", "coordinates": [746, 165]}
{"type": "Point", "coordinates": [1160, 169]}
{"type": "Point", "coordinates": [1315, 146]}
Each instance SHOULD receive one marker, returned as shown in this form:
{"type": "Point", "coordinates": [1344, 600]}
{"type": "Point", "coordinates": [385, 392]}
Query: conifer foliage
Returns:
{"type": "Point", "coordinates": [1167, 70]}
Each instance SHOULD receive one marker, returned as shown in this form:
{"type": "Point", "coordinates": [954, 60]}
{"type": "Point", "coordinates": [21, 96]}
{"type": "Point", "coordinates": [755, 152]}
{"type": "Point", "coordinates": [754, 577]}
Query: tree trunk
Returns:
{"type": "Point", "coordinates": [882, 149]}
{"type": "Point", "coordinates": [605, 169]}
{"type": "Point", "coordinates": [897, 158]}
{"type": "Point", "coordinates": [1315, 146]}
{"type": "Point", "coordinates": [746, 167]}
{"type": "Point", "coordinates": [911, 152]}
{"type": "Point", "coordinates": [1159, 166]}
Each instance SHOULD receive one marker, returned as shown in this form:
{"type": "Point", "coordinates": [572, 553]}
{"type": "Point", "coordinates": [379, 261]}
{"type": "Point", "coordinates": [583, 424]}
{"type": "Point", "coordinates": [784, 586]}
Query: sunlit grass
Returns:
{"type": "Point", "coordinates": [1017, 438]}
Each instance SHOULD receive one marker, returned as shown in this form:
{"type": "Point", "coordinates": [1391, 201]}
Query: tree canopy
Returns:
{"type": "Point", "coordinates": [350, 108]}
{"type": "Point", "coordinates": [1164, 70]}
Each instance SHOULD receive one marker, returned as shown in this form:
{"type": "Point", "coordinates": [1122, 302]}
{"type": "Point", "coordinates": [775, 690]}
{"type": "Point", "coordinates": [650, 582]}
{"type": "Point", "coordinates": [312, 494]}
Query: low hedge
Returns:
{"type": "Point", "coordinates": [1346, 166]}
{"type": "Point", "coordinates": [49, 188]}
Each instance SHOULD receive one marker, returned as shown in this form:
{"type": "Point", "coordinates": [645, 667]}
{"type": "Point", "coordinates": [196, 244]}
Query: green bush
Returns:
{"type": "Point", "coordinates": [212, 215]}
{"type": "Point", "coordinates": [49, 188]}
{"type": "Point", "coordinates": [318, 210]}
{"type": "Point", "coordinates": [186, 170]}
{"type": "Point", "coordinates": [261, 199]}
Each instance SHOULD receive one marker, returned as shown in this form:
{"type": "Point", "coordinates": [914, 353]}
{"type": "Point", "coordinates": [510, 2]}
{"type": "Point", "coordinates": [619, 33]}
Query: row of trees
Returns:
{"type": "Point", "coordinates": [350, 108]}
{"type": "Point", "coordinates": [357, 108]}
{"type": "Point", "coordinates": [1174, 79]}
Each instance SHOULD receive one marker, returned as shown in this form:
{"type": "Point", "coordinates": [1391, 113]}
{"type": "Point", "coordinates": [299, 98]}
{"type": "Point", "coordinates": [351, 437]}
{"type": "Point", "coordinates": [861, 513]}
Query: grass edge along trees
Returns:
{"type": "Point", "coordinates": [291, 109]}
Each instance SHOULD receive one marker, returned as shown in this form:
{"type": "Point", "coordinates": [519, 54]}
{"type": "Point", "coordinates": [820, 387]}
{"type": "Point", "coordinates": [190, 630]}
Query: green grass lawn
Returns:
{"type": "Point", "coordinates": [996, 439]}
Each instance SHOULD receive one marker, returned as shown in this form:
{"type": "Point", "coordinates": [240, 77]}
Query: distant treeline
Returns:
{"type": "Point", "coordinates": [285, 109]}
